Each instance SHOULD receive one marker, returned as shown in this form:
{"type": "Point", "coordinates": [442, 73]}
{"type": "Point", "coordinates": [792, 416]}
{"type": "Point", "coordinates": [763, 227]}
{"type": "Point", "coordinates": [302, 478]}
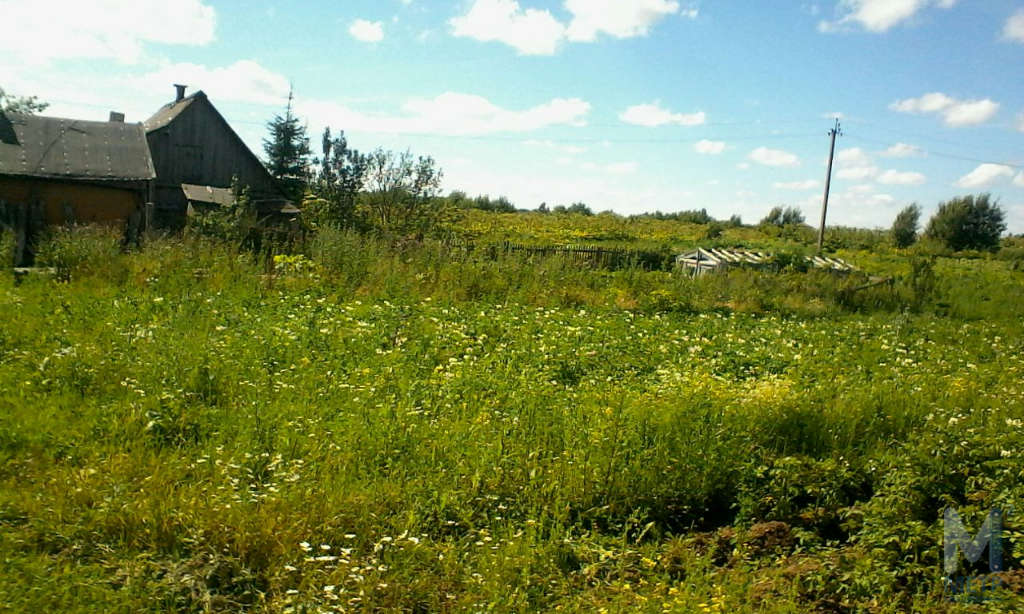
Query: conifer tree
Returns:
{"type": "Point", "coordinates": [287, 151]}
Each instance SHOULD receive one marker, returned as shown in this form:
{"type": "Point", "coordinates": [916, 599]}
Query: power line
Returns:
{"type": "Point", "coordinates": [941, 154]}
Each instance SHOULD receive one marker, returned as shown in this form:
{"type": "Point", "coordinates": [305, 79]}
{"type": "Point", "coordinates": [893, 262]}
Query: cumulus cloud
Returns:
{"type": "Point", "coordinates": [1019, 179]}
{"type": "Point", "coordinates": [711, 148]}
{"type": "Point", "coordinates": [854, 164]}
{"type": "Point", "coordinates": [41, 32]}
{"type": "Point", "coordinates": [367, 31]}
{"type": "Point", "coordinates": [878, 15]}
{"type": "Point", "coordinates": [530, 31]}
{"type": "Point", "coordinates": [954, 112]}
{"type": "Point", "coordinates": [534, 31]}
{"type": "Point", "coordinates": [892, 177]}
{"type": "Point", "coordinates": [450, 113]}
{"type": "Point", "coordinates": [774, 157]}
{"type": "Point", "coordinates": [617, 18]}
{"type": "Point", "coordinates": [903, 150]}
{"type": "Point", "coordinates": [243, 81]}
{"type": "Point", "coordinates": [984, 174]}
{"type": "Point", "coordinates": [1013, 29]}
{"type": "Point", "coordinates": [653, 114]}
{"type": "Point", "coordinates": [809, 184]}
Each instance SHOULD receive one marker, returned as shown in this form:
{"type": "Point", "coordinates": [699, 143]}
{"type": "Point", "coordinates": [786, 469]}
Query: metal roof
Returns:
{"type": "Point", "coordinates": [54, 147]}
{"type": "Point", "coordinates": [208, 194]}
{"type": "Point", "coordinates": [706, 258]}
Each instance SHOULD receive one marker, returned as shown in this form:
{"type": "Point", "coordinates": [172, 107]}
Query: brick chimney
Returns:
{"type": "Point", "coordinates": [179, 92]}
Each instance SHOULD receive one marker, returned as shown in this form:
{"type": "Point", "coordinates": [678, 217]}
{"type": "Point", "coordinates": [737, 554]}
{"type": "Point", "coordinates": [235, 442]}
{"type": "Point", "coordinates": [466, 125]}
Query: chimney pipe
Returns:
{"type": "Point", "coordinates": [116, 117]}
{"type": "Point", "coordinates": [180, 95]}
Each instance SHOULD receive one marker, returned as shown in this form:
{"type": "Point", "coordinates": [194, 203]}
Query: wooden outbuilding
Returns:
{"type": "Point", "coordinates": [704, 260]}
{"type": "Point", "coordinates": [62, 171]}
{"type": "Point", "coordinates": [193, 145]}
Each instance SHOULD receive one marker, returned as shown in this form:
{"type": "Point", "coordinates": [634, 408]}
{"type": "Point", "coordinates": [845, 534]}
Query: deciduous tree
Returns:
{"type": "Point", "coordinates": [968, 222]}
{"type": "Point", "coordinates": [904, 229]}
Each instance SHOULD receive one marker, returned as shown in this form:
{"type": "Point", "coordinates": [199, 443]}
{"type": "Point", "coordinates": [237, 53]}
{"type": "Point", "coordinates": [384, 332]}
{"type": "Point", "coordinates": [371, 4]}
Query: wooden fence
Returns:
{"type": "Point", "coordinates": [597, 257]}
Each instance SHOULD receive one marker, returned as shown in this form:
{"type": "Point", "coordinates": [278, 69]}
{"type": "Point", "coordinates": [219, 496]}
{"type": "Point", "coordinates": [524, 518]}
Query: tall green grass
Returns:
{"type": "Point", "coordinates": [381, 427]}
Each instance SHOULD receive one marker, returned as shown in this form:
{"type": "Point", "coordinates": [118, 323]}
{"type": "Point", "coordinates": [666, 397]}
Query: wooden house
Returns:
{"type": "Point", "coordinates": [193, 145]}
{"type": "Point", "coordinates": [55, 170]}
{"type": "Point", "coordinates": [704, 260]}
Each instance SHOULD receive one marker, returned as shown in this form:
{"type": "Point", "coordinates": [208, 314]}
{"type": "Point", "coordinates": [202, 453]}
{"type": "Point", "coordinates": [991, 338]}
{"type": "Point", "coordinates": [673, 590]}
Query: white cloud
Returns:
{"type": "Point", "coordinates": [857, 173]}
{"type": "Point", "coordinates": [809, 184]}
{"type": "Point", "coordinates": [367, 31]}
{"type": "Point", "coordinates": [774, 157]}
{"type": "Point", "coordinates": [954, 112]}
{"type": "Point", "coordinates": [651, 115]}
{"type": "Point", "coordinates": [984, 174]}
{"type": "Point", "coordinates": [531, 32]}
{"type": "Point", "coordinates": [622, 168]}
{"type": "Point", "coordinates": [1019, 179]}
{"type": "Point", "coordinates": [569, 149]}
{"type": "Point", "coordinates": [892, 177]}
{"type": "Point", "coordinates": [450, 113]}
{"type": "Point", "coordinates": [1013, 30]}
{"type": "Point", "coordinates": [243, 81]}
{"type": "Point", "coordinates": [903, 150]}
{"type": "Point", "coordinates": [878, 15]}
{"type": "Point", "coordinates": [854, 164]}
{"type": "Point", "coordinates": [852, 156]}
{"type": "Point", "coordinates": [41, 32]}
{"type": "Point", "coordinates": [617, 18]}
{"type": "Point", "coordinates": [711, 148]}
{"type": "Point", "coordinates": [537, 32]}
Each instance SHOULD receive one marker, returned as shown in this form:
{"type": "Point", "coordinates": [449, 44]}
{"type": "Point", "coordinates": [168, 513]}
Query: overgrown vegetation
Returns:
{"type": "Point", "coordinates": [383, 424]}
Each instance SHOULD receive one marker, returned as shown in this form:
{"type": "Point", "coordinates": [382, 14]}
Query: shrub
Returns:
{"type": "Point", "coordinates": [80, 251]}
{"type": "Point", "coordinates": [968, 222]}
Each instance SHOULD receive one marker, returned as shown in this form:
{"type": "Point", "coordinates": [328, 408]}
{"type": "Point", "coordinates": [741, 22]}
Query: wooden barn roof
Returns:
{"type": "Point", "coordinates": [169, 111]}
{"type": "Point", "coordinates": [59, 148]}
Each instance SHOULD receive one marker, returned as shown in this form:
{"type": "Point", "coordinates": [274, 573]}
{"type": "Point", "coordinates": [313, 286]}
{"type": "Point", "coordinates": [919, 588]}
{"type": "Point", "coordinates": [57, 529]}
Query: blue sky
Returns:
{"type": "Point", "coordinates": [626, 105]}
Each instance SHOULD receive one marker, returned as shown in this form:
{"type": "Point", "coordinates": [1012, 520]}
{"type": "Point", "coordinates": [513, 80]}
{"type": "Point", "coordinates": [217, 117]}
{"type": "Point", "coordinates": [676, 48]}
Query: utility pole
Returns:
{"type": "Point", "coordinates": [828, 181]}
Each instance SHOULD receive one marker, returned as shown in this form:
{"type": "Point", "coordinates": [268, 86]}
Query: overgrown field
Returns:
{"type": "Point", "coordinates": [372, 428]}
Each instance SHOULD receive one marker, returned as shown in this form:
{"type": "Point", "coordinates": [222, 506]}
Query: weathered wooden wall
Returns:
{"type": "Point", "coordinates": [75, 202]}
{"type": "Point", "coordinates": [199, 147]}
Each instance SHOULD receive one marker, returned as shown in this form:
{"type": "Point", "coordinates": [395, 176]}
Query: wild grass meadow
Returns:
{"type": "Point", "coordinates": [363, 426]}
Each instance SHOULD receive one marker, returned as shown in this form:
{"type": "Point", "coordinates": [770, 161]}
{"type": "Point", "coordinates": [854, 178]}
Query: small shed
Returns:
{"type": "Point", "coordinates": [204, 198]}
{"type": "Point", "coordinates": [193, 145]}
{"type": "Point", "coordinates": [55, 170]}
{"type": "Point", "coordinates": [703, 260]}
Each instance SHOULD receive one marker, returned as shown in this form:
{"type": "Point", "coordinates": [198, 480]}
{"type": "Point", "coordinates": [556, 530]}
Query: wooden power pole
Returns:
{"type": "Point", "coordinates": [828, 181]}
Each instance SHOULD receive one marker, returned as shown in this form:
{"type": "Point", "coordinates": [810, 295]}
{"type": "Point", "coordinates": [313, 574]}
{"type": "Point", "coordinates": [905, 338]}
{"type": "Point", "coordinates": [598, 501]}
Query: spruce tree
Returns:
{"type": "Point", "coordinates": [287, 151]}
